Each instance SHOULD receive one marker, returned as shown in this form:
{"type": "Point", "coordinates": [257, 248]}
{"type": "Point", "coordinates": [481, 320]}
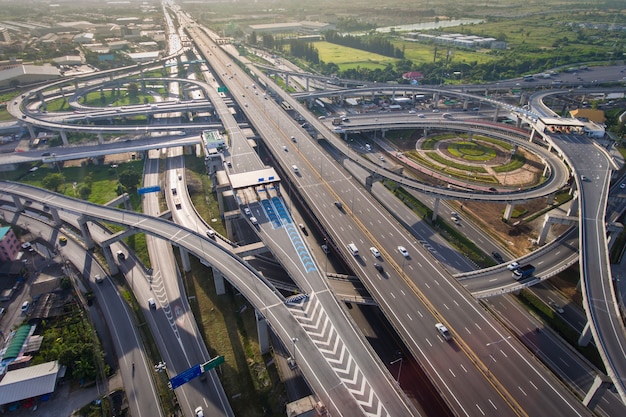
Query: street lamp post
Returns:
{"type": "Point", "coordinates": [399, 368]}
{"type": "Point", "coordinates": [494, 350]}
{"type": "Point", "coordinates": [294, 340]}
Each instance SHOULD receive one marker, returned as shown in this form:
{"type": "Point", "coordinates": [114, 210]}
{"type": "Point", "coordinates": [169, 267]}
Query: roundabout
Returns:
{"type": "Point", "coordinates": [476, 160]}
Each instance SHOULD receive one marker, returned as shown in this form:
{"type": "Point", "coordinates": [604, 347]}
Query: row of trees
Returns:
{"type": "Point", "coordinates": [304, 50]}
{"type": "Point", "coordinates": [374, 44]}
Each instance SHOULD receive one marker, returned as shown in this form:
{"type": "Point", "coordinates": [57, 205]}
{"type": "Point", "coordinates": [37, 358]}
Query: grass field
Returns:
{"type": "Point", "coordinates": [346, 57]}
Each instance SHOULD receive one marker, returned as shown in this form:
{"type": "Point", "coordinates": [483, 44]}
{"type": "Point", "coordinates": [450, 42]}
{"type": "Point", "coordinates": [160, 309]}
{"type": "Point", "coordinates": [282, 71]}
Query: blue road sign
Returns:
{"type": "Point", "coordinates": [146, 190]}
{"type": "Point", "coordinates": [185, 376]}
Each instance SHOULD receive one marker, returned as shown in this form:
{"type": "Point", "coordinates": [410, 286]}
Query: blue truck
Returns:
{"type": "Point", "coordinates": [523, 272]}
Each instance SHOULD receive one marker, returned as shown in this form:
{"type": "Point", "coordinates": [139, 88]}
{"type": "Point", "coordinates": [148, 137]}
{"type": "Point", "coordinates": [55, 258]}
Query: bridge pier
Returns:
{"type": "Point", "coordinates": [585, 335]}
{"type": "Point", "coordinates": [100, 138]}
{"type": "Point", "coordinates": [55, 216]}
{"type": "Point", "coordinates": [551, 197]}
{"type": "Point", "coordinates": [18, 203]}
{"type": "Point", "coordinates": [435, 100]}
{"type": "Point", "coordinates": [218, 280]}
{"type": "Point", "coordinates": [508, 211]}
{"type": "Point", "coordinates": [110, 260]}
{"type": "Point", "coordinates": [573, 208]}
{"type": "Point", "coordinates": [64, 137]}
{"type": "Point", "coordinates": [600, 384]}
{"type": "Point", "coordinates": [549, 220]}
{"type": "Point", "coordinates": [31, 131]}
{"type": "Point", "coordinates": [546, 168]}
{"type": "Point", "coordinates": [435, 209]}
{"type": "Point", "coordinates": [287, 81]}
{"type": "Point", "coordinates": [184, 258]}
{"type": "Point", "coordinates": [84, 231]}
{"type": "Point", "coordinates": [262, 332]}
{"type": "Point", "coordinates": [306, 85]}
{"type": "Point", "coordinates": [496, 113]}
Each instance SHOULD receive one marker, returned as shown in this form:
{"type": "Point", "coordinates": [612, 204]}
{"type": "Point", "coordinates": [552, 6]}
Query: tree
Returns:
{"type": "Point", "coordinates": [129, 179]}
{"type": "Point", "coordinates": [53, 181]}
{"type": "Point", "coordinates": [133, 90]}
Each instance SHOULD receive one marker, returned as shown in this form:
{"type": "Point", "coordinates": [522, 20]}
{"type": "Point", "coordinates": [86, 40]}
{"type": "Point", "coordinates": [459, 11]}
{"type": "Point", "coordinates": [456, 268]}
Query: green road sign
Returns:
{"type": "Point", "coordinates": [222, 89]}
{"type": "Point", "coordinates": [207, 366]}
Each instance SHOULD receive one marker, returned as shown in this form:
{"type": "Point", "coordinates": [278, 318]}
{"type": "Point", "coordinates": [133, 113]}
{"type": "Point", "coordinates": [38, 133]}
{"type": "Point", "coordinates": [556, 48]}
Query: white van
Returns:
{"type": "Point", "coordinates": [352, 248]}
{"type": "Point", "coordinates": [295, 169]}
{"type": "Point", "coordinates": [25, 307]}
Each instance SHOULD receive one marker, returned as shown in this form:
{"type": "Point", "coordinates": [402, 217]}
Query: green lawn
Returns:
{"type": "Point", "coordinates": [346, 57]}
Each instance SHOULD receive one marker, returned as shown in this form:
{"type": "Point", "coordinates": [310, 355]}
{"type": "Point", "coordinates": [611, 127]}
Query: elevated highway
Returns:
{"type": "Point", "coordinates": [320, 370]}
{"type": "Point", "coordinates": [593, 167]}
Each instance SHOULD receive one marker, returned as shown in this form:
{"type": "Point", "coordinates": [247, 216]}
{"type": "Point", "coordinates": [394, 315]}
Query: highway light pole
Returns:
{"type": "Point", "coordinates": [399, 368]}
{"type": "Point", "coordinates": [294, 340]}
{"type": "Point", "coordinates": [494, 350]}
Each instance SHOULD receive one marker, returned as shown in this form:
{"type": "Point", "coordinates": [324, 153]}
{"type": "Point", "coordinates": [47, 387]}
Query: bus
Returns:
{"type": "Point", "coordinates": [529, 78]}
{"type": "Point", "coordinates": [286, 106]}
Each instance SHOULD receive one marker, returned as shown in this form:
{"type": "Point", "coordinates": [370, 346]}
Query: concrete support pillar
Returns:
{"type": "Point", "coordinates": [75, 84]}
{"type": "Point", "coordinates": [545, 228]}
{"type": "Point", "coordinates": [307, 83]}
{"type": "Point", "coordinates": [18, 203]}
{"type": "Point", "coordinates": [31, 131]}
{"type": "Point", "coordinates": [508, 211]}
{"type": "Point", "coordinates": [55, 217]}
{"type": "Point", "coordinates": [383, 132]}
{"type": "Point", "coordinates": [585, 336]}
{"type": "Point", "coordinates": [287, 81]}
{"type": "Point", "coordinates": [600, 384]}
{"type": "Point", "coordinates": [496, 113]}
{"type": "Point", "coordinates": [435, 209]}
{"type": "Point", "coordinates": [546, 169]}
{"type": "Point", "coordinates": [465, 103]}
{"type": "Point", "coordinates": [218, 280]}
{"type": "Point", "coordinates": [262, 332]}
{"type": "Point", "coordinates": [573, 208]}
{"type": "Point", "coordinates": [471, 136]}
{"type": "Point", "coordinates": [64, 137]}
{"type": "Point", "coordinates": [436, 100]}
{"type": "Point", "coordinates": [518, 122]}
{"type": "Point", "coordinates": [532, 135]}
{"type": "Point", "coordinates": [84, 231]}
{"type": "Point", "coordinates": [551, 197]}
{"type": "Point", "coordinates": [184, 258]}
{"type": "Point", "coordinates": [100, 138]}
{"type": "Point", "coordinates": [110, 260]}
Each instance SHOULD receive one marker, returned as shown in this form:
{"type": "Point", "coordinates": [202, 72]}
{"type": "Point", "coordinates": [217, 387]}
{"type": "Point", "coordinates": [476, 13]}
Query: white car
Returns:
{"type": "Point", "coordinates": [513, 266]}
{"type": "Point", "coordinates": [556, 307]}
{"type": "Point", "coordinates": [375, 252]}
{"type": "Point", "coordinates": [247, 211]}
{"type": "Point", "coordinates": [403, 251]}
{"type": "Point", "coordinates": [199, 412]}
{"type": "Point", "coordinates": [443, 331]}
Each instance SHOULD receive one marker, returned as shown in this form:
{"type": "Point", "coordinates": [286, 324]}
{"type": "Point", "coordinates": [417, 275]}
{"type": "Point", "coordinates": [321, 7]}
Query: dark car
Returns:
{"type": "Point", "coordinates": [45, 154]}
{"type": "Point", "coordinates": [379, 268]}
{"type": "Point", "coordinates": [497, 257]}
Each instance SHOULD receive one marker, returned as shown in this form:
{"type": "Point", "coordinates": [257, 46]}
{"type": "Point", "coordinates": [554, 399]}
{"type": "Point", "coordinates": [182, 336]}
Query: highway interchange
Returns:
{"type": "Point", "coordinates": [414, 294]}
